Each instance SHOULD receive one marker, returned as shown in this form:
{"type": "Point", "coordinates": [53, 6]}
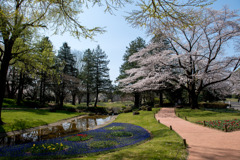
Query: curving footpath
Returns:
{"type": "Point", "coordinates": [203, 143]}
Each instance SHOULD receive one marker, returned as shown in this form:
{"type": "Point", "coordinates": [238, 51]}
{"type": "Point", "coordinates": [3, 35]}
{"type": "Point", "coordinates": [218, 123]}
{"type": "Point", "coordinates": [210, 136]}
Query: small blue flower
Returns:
{"type": "Point", "coordinates": [79, 148]}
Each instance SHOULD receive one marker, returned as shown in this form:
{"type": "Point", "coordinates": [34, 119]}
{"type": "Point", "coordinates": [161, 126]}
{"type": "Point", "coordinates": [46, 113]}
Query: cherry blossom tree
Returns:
{"type": "Point", "coordinates": [196, 60]}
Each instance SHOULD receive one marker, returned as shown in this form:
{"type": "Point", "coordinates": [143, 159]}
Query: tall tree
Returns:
{"type": "Point", "coordinates": [45, 60]}
{"type": "Point", "coordinates": [69, 72]}
{"type": "Point", "coordinates": [101, 73]}
{"type": "Point", "coordinates": [17, 16]}
{"type": "Point", "coordinates": [196, 60]}
{"type": "Point", "coordinates": [134, 47]}
{"type": "Point", "coordinates": [87, 74]}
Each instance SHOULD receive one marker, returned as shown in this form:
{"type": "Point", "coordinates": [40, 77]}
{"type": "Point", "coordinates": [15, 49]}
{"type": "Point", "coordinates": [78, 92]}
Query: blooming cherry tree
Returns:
{"type": "Point", "coordinates": [196, 60]}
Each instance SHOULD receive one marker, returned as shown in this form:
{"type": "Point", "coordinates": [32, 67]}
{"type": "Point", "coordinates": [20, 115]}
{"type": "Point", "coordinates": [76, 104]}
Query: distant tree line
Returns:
{"type": "Point", "coordinates": [42, 76]}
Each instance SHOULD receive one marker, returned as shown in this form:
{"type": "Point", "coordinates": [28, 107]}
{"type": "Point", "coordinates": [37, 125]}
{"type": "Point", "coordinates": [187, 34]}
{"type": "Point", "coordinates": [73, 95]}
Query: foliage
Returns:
{"type": "Point", "coordinates": [152, 13]}
{"type": "Point", "coordinates": [230, 125]}
{"type": "Point", "coordinates": [134, 47]}
{"type": "Point", "coordinates": [18, 18]}
{"type": "Point", "coordinates": [216, 105]}
{"type": "Point", "coordinates": [101, 73]}
{"type": "Point", "coordinates": [194, 59]}
{"type": "Point", "coordinates": [45, 148]}
{"type": "Point", "coordinates": [87, 73]}
{"type": "Point", "coordinates": [78, 137]}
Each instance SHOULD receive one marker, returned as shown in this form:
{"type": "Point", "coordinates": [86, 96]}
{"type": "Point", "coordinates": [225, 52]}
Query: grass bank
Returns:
{"type": "Point", "coordinates": [23, 119]}
{"type": "Point", "coordinates": [194, 115]}
{"type": "Point", "coordinates": [165, 144]}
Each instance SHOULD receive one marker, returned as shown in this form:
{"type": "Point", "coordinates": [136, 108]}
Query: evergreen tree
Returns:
{"type": "Point", "coordinates": [69, 73]}
{"type": "Point", "coordinates": [87, 74]}
{"type": "Point", "coordinates": [101, 77]}
{"type": "Point", "coordinates": [134, 47]}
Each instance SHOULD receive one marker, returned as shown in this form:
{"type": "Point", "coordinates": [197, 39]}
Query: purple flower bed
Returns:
{"type": "Point", "coordinates": [82, 147]}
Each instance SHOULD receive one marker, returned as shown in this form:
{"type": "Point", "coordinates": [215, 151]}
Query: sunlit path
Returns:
{"type": "Point", "coordinates": [204, 143]}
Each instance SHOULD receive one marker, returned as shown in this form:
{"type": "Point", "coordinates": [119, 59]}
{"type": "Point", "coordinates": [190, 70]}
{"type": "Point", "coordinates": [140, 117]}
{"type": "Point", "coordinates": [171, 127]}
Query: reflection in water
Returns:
{"type": "Point", "coordinates": [75, 126]}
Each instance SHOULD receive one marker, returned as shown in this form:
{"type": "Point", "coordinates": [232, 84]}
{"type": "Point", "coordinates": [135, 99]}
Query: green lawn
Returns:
{"type": "Point", "coordinates": [22, 119]}
{"type": "Point", "coordinates": [165, 144]}
{"type": "Point", "coordinates": [102, 104]}
{"type": "Point", "coordinates": [194, 115]}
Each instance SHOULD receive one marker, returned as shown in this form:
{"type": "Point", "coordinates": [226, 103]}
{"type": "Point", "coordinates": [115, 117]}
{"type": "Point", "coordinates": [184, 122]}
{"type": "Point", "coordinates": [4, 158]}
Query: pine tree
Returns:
{"type": "Point", "coordinates": [68, 75]}
{"type": "Point", "coordinates": [134, 47]}
{"type": "Point", "coordinates": [87, 74]}
{"type": "Point", "coordinates": [101, 77]}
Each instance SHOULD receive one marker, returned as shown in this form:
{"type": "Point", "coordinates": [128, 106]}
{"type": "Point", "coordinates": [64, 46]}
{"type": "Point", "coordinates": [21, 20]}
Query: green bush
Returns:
{"type": "Point", "coordinates": [136, 113]}
{"type": "Point", "coordinates": [215, 105]}
{"type": "Point", "coordinates": [100, 110]}
{"type": "Point", "coordinates": [8, 101]}
{"type": "Point", "coordinates": [127, 110]}
{"type": "Point", "coordinates": [144, 108]}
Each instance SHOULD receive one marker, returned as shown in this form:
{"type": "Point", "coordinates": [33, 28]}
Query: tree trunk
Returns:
{"type": "Point", "coordinates": [160, 99]}
{"type": "Point", "coordinates": [3, 75]}
{"type": "Point", "coordinates": [96, 100]}
{"type": "Point", "coordinates": [88, 98]}
{"type": "Point", "coordinates": [73, 98]}
{"type": "Point", "coordinates": [194, 100]}
{"type": "Point", "coordinates": [137, 100]}
{"type": "Point", "coordinates": [79, 98]}
{"type": "Point", "coordinates": [20, 90]}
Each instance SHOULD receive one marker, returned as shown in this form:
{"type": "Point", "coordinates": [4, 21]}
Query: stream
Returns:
{"type": "Point", "coordinates": [60, 130]}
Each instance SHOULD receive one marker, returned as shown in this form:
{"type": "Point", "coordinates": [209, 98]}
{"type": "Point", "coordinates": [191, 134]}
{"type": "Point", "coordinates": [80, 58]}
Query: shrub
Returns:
{"type": "Point", "coordinates": [156, 106]}
{"type": "Point", "coordinates": [127, 110]}
{"type": "Point", "coordinates": [136, 113]}
{"type": "Point", "coordinates": [124, 107]}
{"type": "Point", "coordinates": [215, 105]}
{"type": "Point", "coordinates": [144, 108]}
{"type": "Point", "coordinates": [100, 110]}
{"type": "Point", "coordinates": [70, 109]}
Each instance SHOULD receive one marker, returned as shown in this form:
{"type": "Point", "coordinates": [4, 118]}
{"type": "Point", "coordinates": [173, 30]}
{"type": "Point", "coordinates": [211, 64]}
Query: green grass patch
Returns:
{"type": "Point", "coordinates": [102, 144]}
{"type": "Point", "coordinates": [115, 128]}
{"type": "Point", "coordinates": [121, 134]}
{"type": "Point", "coordinates": [165, 144]}
{"type": "Point", "coordinates": [23, 119]}
{"type": "Point", "coordinates": [194, 115]}
{"type": "Point", "coordinates": [78, 137]}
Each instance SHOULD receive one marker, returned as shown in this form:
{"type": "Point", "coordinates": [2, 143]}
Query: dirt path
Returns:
{"type": "Point", "coordinates": [204, 143]}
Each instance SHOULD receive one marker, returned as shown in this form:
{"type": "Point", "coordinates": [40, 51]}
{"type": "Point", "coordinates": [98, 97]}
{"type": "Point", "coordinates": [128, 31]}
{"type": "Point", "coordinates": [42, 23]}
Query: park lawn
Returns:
{"type": "Point", "coordinates": [165, 144]}
{"type": "Point", "coordinates": [22, 119]}
{"type": "Point", "coordinates": [194, 115]}
{"type": "Point", "coordinates": [102, 104]}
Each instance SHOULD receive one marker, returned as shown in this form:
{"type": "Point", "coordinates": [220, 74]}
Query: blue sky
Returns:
{"type": "Point", "coordinates": [119, 33]}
